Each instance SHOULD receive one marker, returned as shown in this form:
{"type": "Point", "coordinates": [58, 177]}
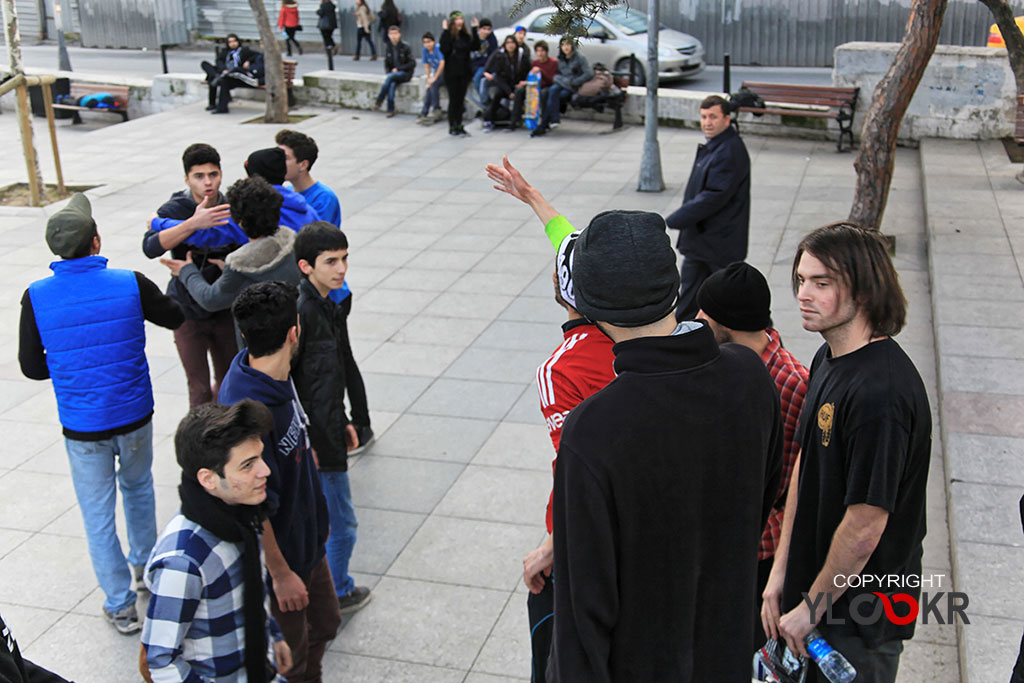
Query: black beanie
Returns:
{"type": "Point", "coordinates": [267, 163]}
{"type": "Point", "coordinates": [624, 269]}
{"type": "Point", "coordinates": [737, 297]}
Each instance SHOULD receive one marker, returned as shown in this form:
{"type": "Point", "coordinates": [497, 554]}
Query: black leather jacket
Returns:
{"type": "Point", "coordinates": [318, 371]}
{"type": "Point", "coordinates": [399, 57]}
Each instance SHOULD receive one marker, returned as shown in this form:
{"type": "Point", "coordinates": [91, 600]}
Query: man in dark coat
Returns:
{"type": "Point", "coordinates": [715, 216]}
{"type": "Point", "coordinates": [663, 482]}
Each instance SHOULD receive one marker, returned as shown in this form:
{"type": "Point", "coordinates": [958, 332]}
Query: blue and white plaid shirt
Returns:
{"type": "Point", "coordinates": [195, 627]}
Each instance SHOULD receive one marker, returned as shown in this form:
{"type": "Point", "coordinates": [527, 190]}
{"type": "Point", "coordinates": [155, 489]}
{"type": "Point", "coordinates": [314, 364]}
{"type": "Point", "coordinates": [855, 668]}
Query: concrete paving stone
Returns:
{"type": "Point", "coordinates": [51, 460]}
{"type": "Point", "coordinates": [24, 508]}
{"type": "Point", "coordinates": [348, 668]}
{"type": "Point", "coordinates": [977, 211]}
{"type": "Point", "coordinates": [428, 360]}
{"type": "Point", "coordinates": [942, 223]}
{"type": "Point", "coordinates": [11, 539]}
{"type": "Point", "coordinates": [534, 309]}
{"type": "Point", "coordinates": [382, 535]}
{"type": "Point", "coordinates": [28, 623]}
{"type": "Point", "coordinates": [984, 511]}
{"type": "Point", "coordinates": [467, 552]}
{"type": "Point", "coordinates": [960, 243]}
{"type": "Point", "coordinates": [987, 342]}
{"type": "Point", "coordinates": [511, 284]}
{"type": "Point", "coordinates": [927, 661]}
{"type": "Point", "coordinates": [451, 439]}
{"type": "Point", "coordinates": [466, 398]}
{"type": "Point", "coordinates": [1001, 265]}
{"type": "Point", "coordinates": [109, 657]}
{"type": "Point", "coordinates": [393, 393]}
{"type": "Point", "coordinates": [458, 240]}
{"type": "Point", "coordinates": [981, 458]}
{"type": "Point", "coordinates": [993, 414]}
{"type": "Point", "coordinates": [990, 646]}
{"type": "Point", "coordinates": [531, 244]}
{"type": "Point", "coordinates": [32, 439]}
{"type": "Point", "coordinates": [506, 655]}
{"type": "Point", "coordinates": [475, 677]}
{"type": "Point", "coordinates": [983, 375]}
{"type": "Point", "coordinates": [404, 239]}
{"type": "Point", "coordinates": [432, 280]}
{"type": "Point", "coordinates": [500, 365]}
{"type": "Point", "coordinates": [519, 446]}
{"type": "Point", "coordinates": [492, 223]}
{"type": "Point", "coordinates": [15, 393]}
{"type": "Point", "coordinates": [168, 411]}
{"type": "Point", "coordinates": [953, 311]}
{"type": "Point", "coordinates": [498, 494]}
{"type": "Point", "coordinates": [383, 257]}
{"type": "Point", "coordinates": [992, 577]}
{"type": "Point", "coordinates": [467, 305]}
{"type": "Point", "coordinates": [402, 301]}
{"type": "Point", "coordinates": [536, 337]}
{"type": "Point", "coordinates": [47, 571]}
{"type": "Point", "coordinates": [979, 287]}
{"type": "Point", "coordinates": [434, 330]}
{"type": "Point", "coordinates": [401, 484]}
{"type": "Point", "coordinates": [445, 259]}
{"type": "Point", "coordinates": [423, 622]}
{"type": "Point", "coordinates": [372, 325]}
{"type": "Point", "coordinates": [363, 278]}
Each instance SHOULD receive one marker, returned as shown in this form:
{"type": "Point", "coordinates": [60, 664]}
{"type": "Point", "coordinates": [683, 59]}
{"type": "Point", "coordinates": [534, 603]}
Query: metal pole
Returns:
{"type": "Point", "coordinates": [163, 57]}
{"type": "Point", "coordinates": [726, 76]}
{"type": "Point", "coordinates": [650, 164]}
{"type": "Point", "coordinates": [63, 60]}
{"type": "Point", "coordinates": [330, 59]}
{"type": "Point", "coordinates": [48, 102]}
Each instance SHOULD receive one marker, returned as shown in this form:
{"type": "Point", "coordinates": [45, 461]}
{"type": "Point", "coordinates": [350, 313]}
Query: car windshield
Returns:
{"type": "Point", "coordinates": [632, 21]}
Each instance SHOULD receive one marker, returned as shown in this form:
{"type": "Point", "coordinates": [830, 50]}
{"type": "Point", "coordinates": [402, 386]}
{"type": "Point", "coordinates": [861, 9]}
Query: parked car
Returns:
{"type": "Point", "coordinates": [995, 38]}
{"type": "Point", "coordinates": [614, 35]}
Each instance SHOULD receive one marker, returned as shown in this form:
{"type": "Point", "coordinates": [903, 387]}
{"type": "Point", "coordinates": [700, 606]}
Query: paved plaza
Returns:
{"type": "Point", "coordinates": [453, 312]}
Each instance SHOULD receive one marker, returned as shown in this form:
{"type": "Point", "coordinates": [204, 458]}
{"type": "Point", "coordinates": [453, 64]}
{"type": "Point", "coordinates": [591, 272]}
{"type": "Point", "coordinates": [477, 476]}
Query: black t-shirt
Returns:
{"type": "Point", "coordinates": [865, 437]}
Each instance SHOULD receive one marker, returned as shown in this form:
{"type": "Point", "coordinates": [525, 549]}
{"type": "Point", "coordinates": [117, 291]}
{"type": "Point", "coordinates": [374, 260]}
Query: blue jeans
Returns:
{"type": "Point", "coordinates": [553, 110]}
{"type": "Point", "coordinates": [93, 474]}
{"type": "Point", "coordinates": [342, 538]}
{"type": "Point", "coordinates": [478, 93]}
{"type": "Point", "coordinates": [391, 83]}
{"type": "Point", "coordinates": [433, 97]}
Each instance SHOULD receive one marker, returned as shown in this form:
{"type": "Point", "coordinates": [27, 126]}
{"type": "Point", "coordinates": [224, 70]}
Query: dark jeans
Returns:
{"type": "Point", "coordinates": [361, 35]}
{"type": "Point", "coordinates": [553, 109]}
{"type": "Point", "coordinates": [220, 86]}
{"type": "Point", "coordinates": [290, 40]}
{"type": "Point", "coordinates": [875, 666]}
{"type": "Point", "coordinates": [328, 36]}
{"type": "Point", "coordinates": [691, 275]}
{"type": "Point", "coordinates": [308, 631]}
{"type": "Point", "coordinates": [498, 97]}
{"type": "Point", "coordinates": [213, 337]}
{"type": "Point", "coordinates": [541, 612]}
{"type": "Point", "coordinates": [432, 100]}
{"type": "Point", "coordinates": [457, 86]}
{"type": "Point", "coordinates": [391, 83]}
{"type": "Point", "coordinates": [764, 568]}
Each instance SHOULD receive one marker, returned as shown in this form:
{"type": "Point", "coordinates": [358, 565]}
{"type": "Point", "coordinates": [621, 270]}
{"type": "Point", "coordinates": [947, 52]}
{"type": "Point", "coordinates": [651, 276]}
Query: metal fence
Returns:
{"type": "Point", "coordinates": [132, 23]}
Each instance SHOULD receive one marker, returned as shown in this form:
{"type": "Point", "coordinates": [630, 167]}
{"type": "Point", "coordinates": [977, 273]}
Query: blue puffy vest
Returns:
{"type": "Point", "coordinates": [91, 325]}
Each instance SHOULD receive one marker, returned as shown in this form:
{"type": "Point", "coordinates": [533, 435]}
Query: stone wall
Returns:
{"type": "Point", "coordinates": [966, 92]}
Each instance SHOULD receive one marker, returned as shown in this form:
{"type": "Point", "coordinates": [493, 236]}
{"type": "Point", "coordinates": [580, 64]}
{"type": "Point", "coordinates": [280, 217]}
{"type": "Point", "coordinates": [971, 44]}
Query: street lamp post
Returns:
{"type": "Point", "coordinates": [63, 60]}
{"type": "Point", "coordinates": [650, 163]}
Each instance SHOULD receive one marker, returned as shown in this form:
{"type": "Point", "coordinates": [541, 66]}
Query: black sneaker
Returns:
{"type": "Point", "coordinates": [126, 621]}
{"type": "Point", "coordinates": [355, 601]}
{"type": "Point", "coordinates": [364, 433]}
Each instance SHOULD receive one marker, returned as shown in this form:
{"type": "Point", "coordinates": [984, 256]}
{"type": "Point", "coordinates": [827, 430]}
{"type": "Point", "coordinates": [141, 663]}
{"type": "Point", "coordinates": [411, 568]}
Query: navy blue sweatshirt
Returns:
{"type": "Point", "coordinates": [298, 510]}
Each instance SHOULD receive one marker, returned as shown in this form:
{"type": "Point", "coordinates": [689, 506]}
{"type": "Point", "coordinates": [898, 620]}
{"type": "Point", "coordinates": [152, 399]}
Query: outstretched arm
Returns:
{"type": "Point", "coordinates": [508, 179]}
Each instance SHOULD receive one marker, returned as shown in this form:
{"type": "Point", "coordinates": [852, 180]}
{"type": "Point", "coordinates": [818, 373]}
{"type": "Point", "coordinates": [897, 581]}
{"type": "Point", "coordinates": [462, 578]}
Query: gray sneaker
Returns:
{"type": "Point", "coordinates": [126, 621]}
{"type": "Point", "coordinates": [354, 601]}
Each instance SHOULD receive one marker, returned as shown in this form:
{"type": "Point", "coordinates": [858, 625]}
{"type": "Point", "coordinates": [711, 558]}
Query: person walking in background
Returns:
{"type": "Point", "coordinates": [389, 16]}
{"type": "Point", "coordinates": [327, 22]}
{"type": "Point", "coordinates": [84, 328]}
{"type": "Point", "coordinates": [573, 71]}
{"type": "Point", "coordinates": [364, 22]}
{"type": "Point", "coordinates": [288, 19]}
{"type": "Point", "coordinates": [457, 46]}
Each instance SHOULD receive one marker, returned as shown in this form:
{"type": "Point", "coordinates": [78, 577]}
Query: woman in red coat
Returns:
{"type": "Point", "coordinates": [288, 19]}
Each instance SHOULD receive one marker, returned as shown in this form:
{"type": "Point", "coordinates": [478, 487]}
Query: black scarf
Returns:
{"type": "Point", "coordinates": [236, 523]}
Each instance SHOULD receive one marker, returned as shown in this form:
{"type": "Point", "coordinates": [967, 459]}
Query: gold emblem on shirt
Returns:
{"type": "Point", "coordinates": [825, 416]}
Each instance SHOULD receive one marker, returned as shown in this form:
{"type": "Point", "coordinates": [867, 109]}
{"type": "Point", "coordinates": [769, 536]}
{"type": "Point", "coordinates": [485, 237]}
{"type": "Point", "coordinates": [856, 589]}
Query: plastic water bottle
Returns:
{"type": "Point", "coordinates": [832, 663]}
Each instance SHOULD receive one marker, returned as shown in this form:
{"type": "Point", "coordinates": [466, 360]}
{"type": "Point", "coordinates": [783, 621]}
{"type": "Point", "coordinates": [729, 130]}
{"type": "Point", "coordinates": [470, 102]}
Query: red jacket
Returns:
{"type": "Point", "coordinates": [579, 367]}
{"type": "Point", "coordinates": [288, 17]}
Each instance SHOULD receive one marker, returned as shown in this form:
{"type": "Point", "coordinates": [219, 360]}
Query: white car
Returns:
{"type": "Point", "coordinates": [616, 34]}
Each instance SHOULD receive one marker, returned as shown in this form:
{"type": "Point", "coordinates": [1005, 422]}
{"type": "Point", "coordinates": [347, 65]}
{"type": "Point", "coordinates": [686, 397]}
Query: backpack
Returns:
{"type": "Point", "coordinates": [745, 98]}
{"type": "Point", "coordinates": [601, 83]}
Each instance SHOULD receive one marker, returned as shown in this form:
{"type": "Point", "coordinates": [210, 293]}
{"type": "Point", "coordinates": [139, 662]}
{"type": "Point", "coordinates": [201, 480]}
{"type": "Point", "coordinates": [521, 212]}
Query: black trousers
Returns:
{"type": "Point", "coordinates": [541, 611]}
{"type": "Point", "coordinates": [691, 276]}
{"type": "Point", "coordinates": [457, 85]}
{"type": "Point", "coordinates": [328, 36]}
{"type": "Point", "coordinates": [290, 32]}
{"type": "Point", "coordinates": [498, 97]}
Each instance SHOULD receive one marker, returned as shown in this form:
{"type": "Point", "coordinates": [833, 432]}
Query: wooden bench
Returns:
{"type": "Point", "coordinates": [78, 90]}
{"type": "Point", "coordinates": [812, 101]}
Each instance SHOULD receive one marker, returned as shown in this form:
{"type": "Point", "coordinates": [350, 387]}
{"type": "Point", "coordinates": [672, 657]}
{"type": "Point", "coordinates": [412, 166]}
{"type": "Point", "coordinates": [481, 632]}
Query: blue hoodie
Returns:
{"type": "Point", "coordinates": [298, 510]}
{"type": "Point", "coordinates": [295, 211]}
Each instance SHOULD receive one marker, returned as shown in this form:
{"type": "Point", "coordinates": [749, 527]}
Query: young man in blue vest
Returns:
{"type": "Point", "coordinates": [84, 328]}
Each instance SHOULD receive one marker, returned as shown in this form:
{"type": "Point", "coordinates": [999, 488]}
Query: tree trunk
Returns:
{"type": "Point", "coordinates": [650, 162]}
{"type": "Point", "coordinates": [888, 105]}
{"type": "Point", "coordinates": [277, 91]}
{"type": "Point", "coordinates": [1014, 39]}
{"type": "Point", "coordinates": [35, 176]}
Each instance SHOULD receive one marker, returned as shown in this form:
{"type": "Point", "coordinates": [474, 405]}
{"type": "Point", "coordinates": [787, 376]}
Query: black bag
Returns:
{"type": "Point", "coordinates": [299, 27]}
{"type": "Point", "coordinates": [745, 98]}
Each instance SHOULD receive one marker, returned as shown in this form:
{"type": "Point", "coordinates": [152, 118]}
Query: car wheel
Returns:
{"type": "Point", "coordinates": [640, 78]}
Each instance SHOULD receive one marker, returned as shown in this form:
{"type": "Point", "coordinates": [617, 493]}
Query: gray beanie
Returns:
{"type": "Point", "coordinates": [624, 269]}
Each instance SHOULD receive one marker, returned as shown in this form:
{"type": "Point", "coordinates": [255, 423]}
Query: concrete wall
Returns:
{"type": "Point", "coordinates": [966, 92]}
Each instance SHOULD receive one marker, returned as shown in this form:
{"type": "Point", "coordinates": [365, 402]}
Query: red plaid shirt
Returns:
{"type": "Point", "coordinates": [791, 380]}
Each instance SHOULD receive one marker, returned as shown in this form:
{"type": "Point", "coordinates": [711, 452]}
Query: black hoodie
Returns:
{"type": "Point", "coordinates": [298, 510]}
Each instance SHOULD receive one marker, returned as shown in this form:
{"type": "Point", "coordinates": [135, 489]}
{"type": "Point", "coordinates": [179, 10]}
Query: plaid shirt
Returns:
{"type": "Point", "coordinates": [791, 381]}
{"type": "Point", "coordinates": [195, 627]}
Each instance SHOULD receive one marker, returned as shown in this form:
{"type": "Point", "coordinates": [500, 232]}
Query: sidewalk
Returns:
{"type": "Point", "coordinates": [453, 312]}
